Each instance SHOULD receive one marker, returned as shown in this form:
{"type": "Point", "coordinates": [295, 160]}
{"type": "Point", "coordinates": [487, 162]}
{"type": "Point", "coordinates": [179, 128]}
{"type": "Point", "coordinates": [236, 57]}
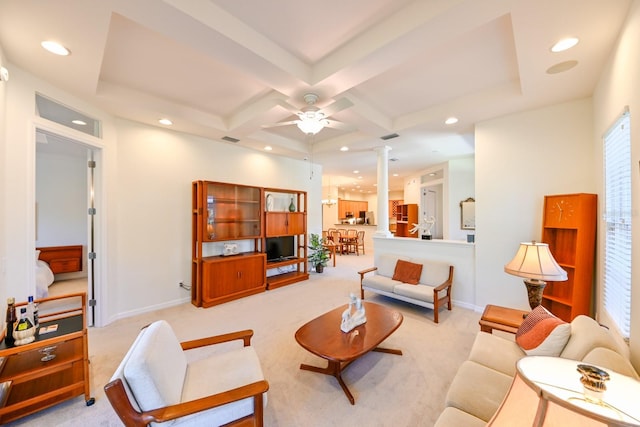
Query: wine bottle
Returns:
{"type": "Point", "coordinates": [25, 322]}
{"type": "Point", "coordinates": [11, 321]}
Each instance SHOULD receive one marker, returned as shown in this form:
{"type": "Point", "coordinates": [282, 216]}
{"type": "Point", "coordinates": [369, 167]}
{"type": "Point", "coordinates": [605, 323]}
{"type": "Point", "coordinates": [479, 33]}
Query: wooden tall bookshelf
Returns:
{"type": "Point", "coordinates": [569, 227]}
{"type": "Point", "coordinates": [406, 216]}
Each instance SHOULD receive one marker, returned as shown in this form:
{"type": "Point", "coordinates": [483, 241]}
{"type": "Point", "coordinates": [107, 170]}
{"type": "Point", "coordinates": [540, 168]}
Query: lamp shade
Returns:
{"type": "Point", "coordinates": [311, 122]}
{"type": "Point", "coordinates": [534, 261]}
{"type": "Point", "coordinates": [547, 391]}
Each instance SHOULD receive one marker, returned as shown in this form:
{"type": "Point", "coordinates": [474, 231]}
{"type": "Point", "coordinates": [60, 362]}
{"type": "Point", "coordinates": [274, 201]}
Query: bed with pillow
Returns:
{"type": "Point", "coordinates": [44, 277]}
{"type": "Point", "coordinates": [54, 260]}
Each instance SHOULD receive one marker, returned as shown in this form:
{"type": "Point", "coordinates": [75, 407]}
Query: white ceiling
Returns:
{"type": "Point", "coordinates": [229, 67]}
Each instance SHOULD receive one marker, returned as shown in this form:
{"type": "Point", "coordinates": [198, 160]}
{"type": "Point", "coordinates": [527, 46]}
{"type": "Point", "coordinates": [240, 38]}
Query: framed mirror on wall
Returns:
{"type": "Point", "coordinates": [468, 214]}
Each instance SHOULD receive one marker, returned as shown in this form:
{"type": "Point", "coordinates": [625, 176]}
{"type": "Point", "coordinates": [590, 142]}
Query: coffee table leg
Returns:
{"type": "Point", "coordinates": [334, 369]}
{"type": "Point", "coordinates": [388, 350]}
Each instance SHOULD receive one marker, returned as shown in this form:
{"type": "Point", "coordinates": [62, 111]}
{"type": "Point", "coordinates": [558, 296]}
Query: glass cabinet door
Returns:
{"type": "Point", "coordinates": [233, 212]}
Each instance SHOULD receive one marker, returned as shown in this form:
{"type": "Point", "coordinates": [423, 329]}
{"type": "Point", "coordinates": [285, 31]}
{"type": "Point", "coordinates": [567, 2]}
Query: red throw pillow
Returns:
{"type": "Point", "coordinates": [542, 333]}
{"type": "Point", "coordinates": [407, 272]}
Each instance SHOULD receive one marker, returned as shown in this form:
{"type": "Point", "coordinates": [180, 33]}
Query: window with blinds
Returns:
{"type": "Point", "coordinates": [617, 217]}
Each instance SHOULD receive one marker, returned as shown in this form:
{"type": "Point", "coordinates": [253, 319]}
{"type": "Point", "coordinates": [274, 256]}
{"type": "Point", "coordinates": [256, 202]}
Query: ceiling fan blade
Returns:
{"type": "Point", "coordinates": [288, 107]}
{"type": "Point", "coordinates": [334, 124]}
{"type": "Point", "coordinates": [290, 122]}
{"type": "Point", "coordinates": [339, 105]}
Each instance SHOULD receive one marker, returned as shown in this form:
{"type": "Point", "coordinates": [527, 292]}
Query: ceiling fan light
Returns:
{"type": "Point", "coordinates": [310, 126]}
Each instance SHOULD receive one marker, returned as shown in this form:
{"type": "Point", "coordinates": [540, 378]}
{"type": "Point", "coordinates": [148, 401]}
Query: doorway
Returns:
{"type": "Point", "coordinates": [432, 208]}
{"type": "Point", "coordinates": [66, 186]}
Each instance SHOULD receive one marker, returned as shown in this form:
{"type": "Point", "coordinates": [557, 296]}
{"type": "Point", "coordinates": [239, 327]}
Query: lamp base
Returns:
{"type": "Point", "coordinates": [535, 288]}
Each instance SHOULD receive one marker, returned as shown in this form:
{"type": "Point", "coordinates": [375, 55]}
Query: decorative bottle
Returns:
{"type": "Point", "coordinates": [24, 331]}
{"type": "Point", "coordinates": [11, 321]}
{"type": "Point", "coordinates": [292, 206]}
{"type": "Point", "coordinates": [32, 312]}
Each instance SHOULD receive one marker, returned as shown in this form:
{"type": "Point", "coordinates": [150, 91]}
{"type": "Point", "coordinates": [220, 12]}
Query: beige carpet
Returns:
{"type": "Point", "coordinates": [390, 390]}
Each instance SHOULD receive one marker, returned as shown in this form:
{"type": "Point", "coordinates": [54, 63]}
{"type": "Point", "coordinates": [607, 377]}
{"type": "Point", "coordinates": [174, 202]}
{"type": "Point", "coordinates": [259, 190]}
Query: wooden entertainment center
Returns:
{"type": "Point", "coordinates": [228, 218]}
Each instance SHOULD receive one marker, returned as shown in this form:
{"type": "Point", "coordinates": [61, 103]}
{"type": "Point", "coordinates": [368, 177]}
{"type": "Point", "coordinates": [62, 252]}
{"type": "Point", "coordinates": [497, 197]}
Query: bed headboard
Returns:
{"type": "Point", "coordinates": [62, 259]}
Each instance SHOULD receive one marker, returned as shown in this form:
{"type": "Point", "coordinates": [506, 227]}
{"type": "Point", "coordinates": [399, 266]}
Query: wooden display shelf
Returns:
{"type": "Point", "coordinates": [284, 279]}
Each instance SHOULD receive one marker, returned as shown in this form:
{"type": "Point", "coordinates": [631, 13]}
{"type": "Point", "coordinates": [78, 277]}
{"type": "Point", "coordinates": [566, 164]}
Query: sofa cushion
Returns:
{"type": "Point", "coordinates": [383, 283]}
{"type": "Point", "coordinates": [496, 352]}
{"type": "Point", "coordinates": [454, 417]}
{"type": "Point", "coordinates": [223, 371]}
{"type": "Point", "coordinates": [407, 272]}
{"type": "Point", "coordinates": [478, 390]}
{"type": "Point", "coordinates": [156, 368]}
{"type": "Point", "coordinates": [609, 359]}
{"type": "Point", "coordinates": [387, 264]}
{"type": "Point", "coordinates": [542, 333]}
{"type": "Point", "coordinates": [434, 273]}
{"type": "Point", "coordinates": [587, 334]}
{"type": "Point", "coordinates": [420, 292]}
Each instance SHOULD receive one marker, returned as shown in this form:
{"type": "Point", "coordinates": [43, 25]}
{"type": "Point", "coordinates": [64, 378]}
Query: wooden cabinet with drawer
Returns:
{"type": "Point", "coordinates": [53, 368]}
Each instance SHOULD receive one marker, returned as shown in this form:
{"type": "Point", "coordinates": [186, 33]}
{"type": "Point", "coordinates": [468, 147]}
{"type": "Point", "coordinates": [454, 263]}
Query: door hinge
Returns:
{"type": "Point", "coordinates": [91, 164]}
{"type": "Point", "coordinates": [91, 211]}
{"type": "Point", "coordinates": [92, 302]}
{"type": "Point", "coordinates": [91, 255]}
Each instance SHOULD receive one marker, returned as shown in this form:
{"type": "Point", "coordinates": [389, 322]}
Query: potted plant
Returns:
{"type": "Point", "coordinates": [319, 256]}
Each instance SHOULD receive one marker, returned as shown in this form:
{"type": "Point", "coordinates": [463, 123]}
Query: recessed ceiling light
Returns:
{"type": "Point", "coordinates": [344, 148]}
{"type": "Point", "coordinates": [55, 47]}
{"type": "Point", "coordinates": [166, 122]}
{"type": "Point", "coordinates": [79, 122]}
{"type": "Point", "coordinates": [564, 44]}
{"type": "Point", "coordinates": [562, 67]}
{"type": "Point", "coordinates": [395, 174]}
{"type": "Point", "coordinates": [451, 120]}
{"type": "Point", "coordinates": [268, 148]}
{"type": "Point", "coordinates": [356, 171]}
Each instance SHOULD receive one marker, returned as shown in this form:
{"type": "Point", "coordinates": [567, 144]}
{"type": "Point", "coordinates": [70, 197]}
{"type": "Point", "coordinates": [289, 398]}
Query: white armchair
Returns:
{"type": "Point", "coordinates": [156, 384]}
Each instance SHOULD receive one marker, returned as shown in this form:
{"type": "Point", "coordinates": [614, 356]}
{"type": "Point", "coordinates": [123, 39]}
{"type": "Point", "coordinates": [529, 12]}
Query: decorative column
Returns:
{"type": "Point", "coordinates": [383, 192]}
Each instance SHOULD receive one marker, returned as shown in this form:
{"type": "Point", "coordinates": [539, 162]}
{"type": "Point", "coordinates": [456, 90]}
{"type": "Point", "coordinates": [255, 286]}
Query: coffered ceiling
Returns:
{"type": "Point", "coordinates": [233, 68]}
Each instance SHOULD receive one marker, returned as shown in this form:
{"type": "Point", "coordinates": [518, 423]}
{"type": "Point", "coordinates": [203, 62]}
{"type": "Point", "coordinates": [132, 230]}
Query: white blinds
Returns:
{"type": "Point", "coordinates": [617, 216]}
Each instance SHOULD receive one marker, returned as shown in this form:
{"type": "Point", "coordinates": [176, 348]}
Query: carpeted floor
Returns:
{"type": "Point", "coordinates": [390, 390]}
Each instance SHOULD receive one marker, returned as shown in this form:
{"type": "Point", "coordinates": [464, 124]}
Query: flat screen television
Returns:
{"type": "Point", "coordinates": [280, 248]}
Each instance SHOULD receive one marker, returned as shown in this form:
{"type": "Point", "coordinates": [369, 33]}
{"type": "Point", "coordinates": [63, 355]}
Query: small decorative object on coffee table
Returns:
{"type": "Point", "coordinates": [351, 318]}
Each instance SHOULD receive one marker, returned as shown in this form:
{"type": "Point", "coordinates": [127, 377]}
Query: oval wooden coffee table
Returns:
{"type": "Point", "coordinates": [322, 336]}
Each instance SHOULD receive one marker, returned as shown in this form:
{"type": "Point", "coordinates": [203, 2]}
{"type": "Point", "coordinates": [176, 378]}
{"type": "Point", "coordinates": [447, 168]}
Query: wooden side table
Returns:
{"type": "Point", "coordinates": [501, 318]}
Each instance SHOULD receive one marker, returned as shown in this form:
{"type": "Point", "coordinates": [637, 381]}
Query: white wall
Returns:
{"type": "Point", "coordinates": [144, 199]}
{"type": "Point", "coordinates": [461, 183]}
{"type": "Point", "coordinates": [619, 86]}
{"type": "Point", "coordinates": [3, 184]}
{"type": "Point", "coordinates": [61, 198]}
{"type": "Point", "coordinates": [155, 171]}
{"type": "Point", "coordinates": [519, 159]}
{"type": "Point", "coordinates": [457, 184]}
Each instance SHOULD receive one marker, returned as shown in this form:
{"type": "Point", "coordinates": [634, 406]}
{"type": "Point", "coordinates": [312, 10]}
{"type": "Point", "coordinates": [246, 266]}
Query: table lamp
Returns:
{"type": "Point", "coordinates": [550, 391]}
{"type": "Point", "coordinates": [536, 265]}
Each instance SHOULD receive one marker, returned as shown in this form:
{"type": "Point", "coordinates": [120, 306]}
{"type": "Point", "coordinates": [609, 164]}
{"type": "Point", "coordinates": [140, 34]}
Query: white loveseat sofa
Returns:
{"type": "Point", "coordinates": [484, 379]}
{"type": "Point", "coordinates": [433, 289]}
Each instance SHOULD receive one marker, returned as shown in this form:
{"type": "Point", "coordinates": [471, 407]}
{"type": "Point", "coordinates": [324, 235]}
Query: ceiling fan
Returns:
{"type": "Point", "coordinates": [312, 119]}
